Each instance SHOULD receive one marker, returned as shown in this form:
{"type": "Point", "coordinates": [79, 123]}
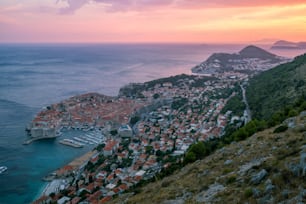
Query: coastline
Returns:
{"type": "Point", "coordinates": [55, 183]}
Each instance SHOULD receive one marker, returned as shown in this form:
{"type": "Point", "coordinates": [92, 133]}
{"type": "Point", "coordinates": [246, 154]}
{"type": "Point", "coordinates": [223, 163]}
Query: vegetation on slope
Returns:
{"type": "Point", "coordinates": [277, 91]}
{"type": "Point", "coordinates": [134, 90]}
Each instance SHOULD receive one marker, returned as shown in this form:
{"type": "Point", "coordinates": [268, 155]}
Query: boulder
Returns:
{"type": "Point", "coordinates": [257, 178]}
{"type": "Point", "coordinates": [256, 193]}
{"type": "Point", "coordinates": [176, 201]}
{"type": "Point", "coordinates": [267, 199]}
{"type": "Point", "coordinates": [246, 167]}
{"type": "Point", "coordinates": [290, 122]}
{"type": "Point", "coordinates": [303, 114]}
{"type": "Point", "coordinates": [208, 195]}
{"type": "Point", "coordinates": [269, 188]}
{"type": "Point", "coordinates": [228, 162]}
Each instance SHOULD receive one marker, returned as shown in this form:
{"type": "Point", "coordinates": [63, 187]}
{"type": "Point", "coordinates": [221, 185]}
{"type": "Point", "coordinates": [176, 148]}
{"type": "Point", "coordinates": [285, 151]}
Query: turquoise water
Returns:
{"type": "Point", "coordinates": [35, 75]}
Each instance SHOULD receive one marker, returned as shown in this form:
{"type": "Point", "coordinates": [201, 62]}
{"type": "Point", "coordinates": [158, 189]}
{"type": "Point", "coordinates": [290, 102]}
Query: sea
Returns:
{"type": "Point", "coordinates": [33, 76]}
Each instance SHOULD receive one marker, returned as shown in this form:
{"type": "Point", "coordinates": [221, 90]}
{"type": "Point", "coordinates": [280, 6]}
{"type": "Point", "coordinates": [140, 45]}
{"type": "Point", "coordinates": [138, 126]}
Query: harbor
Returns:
{"type": "Point", "coordinates": [89, 138]}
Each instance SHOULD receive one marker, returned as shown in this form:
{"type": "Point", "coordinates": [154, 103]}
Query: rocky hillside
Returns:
{"type": "Point", "coordinates": [269, 167]}
{"type": "Point", "coordinates": [249, 60]}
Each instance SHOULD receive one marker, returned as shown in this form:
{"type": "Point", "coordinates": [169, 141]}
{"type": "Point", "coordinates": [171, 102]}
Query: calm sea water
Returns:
{"type": "Point", "coordinates": [35, 75]}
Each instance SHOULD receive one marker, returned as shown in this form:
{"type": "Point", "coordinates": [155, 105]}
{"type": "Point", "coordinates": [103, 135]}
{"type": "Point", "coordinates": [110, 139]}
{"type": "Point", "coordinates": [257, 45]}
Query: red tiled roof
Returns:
{"type": "Point", "coordinates": [75, 200]}
{"type": "Point", "coordinates": [105, 199]}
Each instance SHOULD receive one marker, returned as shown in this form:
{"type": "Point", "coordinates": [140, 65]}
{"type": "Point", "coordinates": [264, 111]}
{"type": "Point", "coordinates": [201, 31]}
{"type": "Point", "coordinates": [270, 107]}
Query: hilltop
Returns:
{"type": "Point", "coordinates": [249, 60]}
{"type": "Point", "coordinates": [283, 44]}
{"type": "Point", "coordinates": [266, 168]}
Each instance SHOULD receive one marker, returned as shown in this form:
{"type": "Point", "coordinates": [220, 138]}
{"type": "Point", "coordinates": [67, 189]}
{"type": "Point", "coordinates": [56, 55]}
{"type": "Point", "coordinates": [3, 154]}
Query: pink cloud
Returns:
{"type": "Point", "coordinates": [142, 5]}
{"type": "Point", "coordinates": [116, 6]}
{"type": "Point", "coordinates": [73, 5]}
{"type": "Point", "coordinates": [234, 3]}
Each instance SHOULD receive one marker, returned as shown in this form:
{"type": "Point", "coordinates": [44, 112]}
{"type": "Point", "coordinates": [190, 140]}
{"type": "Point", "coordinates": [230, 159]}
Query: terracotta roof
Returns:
{"type": "Point", "coordinates": [105, 199]}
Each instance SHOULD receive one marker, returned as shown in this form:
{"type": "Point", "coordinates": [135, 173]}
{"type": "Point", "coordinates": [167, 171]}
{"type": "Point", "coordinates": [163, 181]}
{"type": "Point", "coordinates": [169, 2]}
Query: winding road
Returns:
{"type": "Point", "coordinates": [247, 111]}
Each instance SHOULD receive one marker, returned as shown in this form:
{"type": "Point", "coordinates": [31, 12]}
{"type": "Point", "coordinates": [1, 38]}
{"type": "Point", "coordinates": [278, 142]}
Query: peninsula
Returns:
{"type": "Point", "coordinates": [249, 60]}
{"type": "Point", "coordinates": [84, 112]}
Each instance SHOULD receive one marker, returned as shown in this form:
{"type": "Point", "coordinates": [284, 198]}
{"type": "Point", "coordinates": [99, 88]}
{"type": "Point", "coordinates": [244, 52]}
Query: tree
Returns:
{"type": "Point", "coordinates": [134, 119]}
{"type": "Point", "coordinates": [199, 150]}
{"type": "Point", "coordinates": [113, 132]}
{"type": "Point", "coordinates": [149, 149]}
{"type": "Point", "coordinates": [240, 134]}
{"type": "Point", "coordinates": [156, 96]}
{"type": "Point", "coordinates": [190, 157]}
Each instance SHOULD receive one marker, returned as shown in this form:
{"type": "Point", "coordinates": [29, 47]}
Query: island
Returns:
{"type": "Point", "coordinates": [283, 44]}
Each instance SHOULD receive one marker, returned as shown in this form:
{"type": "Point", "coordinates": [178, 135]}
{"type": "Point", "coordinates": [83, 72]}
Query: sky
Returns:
{"type": "Point", "coordinates": [154, 21]}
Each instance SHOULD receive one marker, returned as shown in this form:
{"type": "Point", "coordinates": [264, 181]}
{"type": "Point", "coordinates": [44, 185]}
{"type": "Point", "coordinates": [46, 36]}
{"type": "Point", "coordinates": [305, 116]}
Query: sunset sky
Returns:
{"type": "Point", "coordinates": [205, 21]}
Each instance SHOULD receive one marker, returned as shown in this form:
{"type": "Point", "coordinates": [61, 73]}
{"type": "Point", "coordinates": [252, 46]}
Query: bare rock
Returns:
{"type": "Point", "coordinates": [257, 178]}
{"type": "Point", "coordinates": [208, 195]}
{"type": "Point", "coordinates": [246, 167]}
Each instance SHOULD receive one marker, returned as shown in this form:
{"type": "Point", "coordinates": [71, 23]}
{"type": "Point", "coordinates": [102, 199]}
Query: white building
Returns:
{"type": "Point", "coordinates": [125, 131]}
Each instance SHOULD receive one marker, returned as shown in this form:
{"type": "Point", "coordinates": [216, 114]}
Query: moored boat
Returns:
{"type": "Point", "coordinates": [2, 169]}
{"type": "Point", "coordinates": [71, 143]}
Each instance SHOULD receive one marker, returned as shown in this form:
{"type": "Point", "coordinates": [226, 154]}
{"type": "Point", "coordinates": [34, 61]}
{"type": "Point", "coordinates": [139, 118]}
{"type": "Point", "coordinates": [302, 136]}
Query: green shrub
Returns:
{"type": "Point", "coordinates": [231, 179]}
{"type": "Point", "coordinates": [281, 128]}
{"type": "Point", "coordinates": [248, 192]}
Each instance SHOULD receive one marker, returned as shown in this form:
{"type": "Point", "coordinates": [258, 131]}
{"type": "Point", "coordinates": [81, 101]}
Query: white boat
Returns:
{"type": "Point", "coordinates": [79, 140]}
{"type": "Point", "coordinates": [2, 169]}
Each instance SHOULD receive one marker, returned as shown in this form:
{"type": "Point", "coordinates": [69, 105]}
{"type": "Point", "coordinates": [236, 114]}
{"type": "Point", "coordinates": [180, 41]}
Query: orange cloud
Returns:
{"type": "Point", "coordinates": [151, 21]}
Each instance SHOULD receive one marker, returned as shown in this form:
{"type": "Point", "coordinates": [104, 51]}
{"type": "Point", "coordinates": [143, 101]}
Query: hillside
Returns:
{"type": "Point", "coordinates": [278, 88]}
{"type": "Point", "coordinates": [249, 60]}
{"type": "Point", "coordinates": [256, 52]}
{"type": "Point", "coordinates": [266, 168]}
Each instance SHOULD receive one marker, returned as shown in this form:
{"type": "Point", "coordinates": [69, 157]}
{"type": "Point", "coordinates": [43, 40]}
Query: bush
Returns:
{"type": "Point", "coordinates": [231, 179]}
{"type": "Point", "coordinates": [248, 192]}
{"type": "Point", "coordinates": [281, 128]}
{"type": "Point", "coordinates": [134, 120]}
{"type": "Point", "coordinates": [190, 157]}
{"type": "Point", "coordinates": [199, 150]}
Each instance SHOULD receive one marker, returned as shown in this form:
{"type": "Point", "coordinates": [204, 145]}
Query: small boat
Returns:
{"type": "Point", "coordinates": [2, 169]}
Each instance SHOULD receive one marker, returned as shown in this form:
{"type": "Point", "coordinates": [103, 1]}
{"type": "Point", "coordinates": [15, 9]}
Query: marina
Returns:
{"type": "Point", "coordinates": [92, 138]}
